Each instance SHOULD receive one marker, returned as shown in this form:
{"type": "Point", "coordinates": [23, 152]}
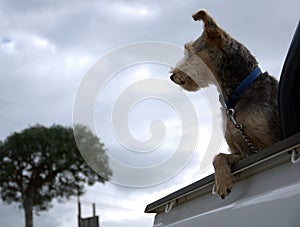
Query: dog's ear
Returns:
{"type": "Point", "coordinates": [213, 34]}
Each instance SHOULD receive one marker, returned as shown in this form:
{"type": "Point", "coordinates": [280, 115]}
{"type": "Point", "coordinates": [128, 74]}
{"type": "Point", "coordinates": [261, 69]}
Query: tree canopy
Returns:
{"type": "Point", "coordinates": [42, 163]}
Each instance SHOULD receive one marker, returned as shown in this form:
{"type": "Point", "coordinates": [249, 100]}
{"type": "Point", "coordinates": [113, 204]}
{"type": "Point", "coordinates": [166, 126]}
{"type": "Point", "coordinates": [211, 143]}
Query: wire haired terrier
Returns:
{"type": "Point", "coordinates": [248, 96]}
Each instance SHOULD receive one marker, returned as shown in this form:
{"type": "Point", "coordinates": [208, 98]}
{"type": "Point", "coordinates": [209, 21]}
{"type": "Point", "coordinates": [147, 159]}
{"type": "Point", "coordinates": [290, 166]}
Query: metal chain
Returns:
{"type": "Point", "coordinates": [239, 127]}
{"type": "Point", "coordinates": [247, 139]}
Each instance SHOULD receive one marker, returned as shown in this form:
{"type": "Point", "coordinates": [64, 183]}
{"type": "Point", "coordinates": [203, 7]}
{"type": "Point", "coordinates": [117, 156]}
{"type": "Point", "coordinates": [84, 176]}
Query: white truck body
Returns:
{"type": "Point", "coordinates": [266, 193]}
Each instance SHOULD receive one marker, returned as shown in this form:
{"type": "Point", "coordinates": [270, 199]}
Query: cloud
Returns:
{"type": "Point", "coordinates": [9, 213]}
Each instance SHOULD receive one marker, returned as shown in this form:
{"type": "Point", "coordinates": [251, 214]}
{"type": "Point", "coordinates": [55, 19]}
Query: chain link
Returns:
{"type": "Point", "coordinates": [248, 140]}
{"type": "Point", "coordinates": [239, 127]}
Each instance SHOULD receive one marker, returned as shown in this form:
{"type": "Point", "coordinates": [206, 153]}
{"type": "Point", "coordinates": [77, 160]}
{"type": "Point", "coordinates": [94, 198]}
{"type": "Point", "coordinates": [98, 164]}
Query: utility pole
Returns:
{"type": "Point", "coordinates": [79, 211]}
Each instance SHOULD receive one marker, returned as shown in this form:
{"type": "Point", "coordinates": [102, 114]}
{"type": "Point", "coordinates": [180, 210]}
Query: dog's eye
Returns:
{"type": "Point", "coordinates": [210, 24]}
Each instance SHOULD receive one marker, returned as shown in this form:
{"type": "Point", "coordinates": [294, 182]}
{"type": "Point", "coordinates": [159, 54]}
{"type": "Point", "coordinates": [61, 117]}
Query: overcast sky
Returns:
{"type": "Point", "coordinates": [48, 47]}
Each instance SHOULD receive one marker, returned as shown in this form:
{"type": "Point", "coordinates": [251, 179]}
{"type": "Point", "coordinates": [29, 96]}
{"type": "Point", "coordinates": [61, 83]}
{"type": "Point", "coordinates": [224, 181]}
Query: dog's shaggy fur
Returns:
{"type": "Point", "coordinates": [216, 58]}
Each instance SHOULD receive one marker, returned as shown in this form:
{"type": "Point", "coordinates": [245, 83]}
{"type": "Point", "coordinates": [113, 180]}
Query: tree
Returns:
{"type": "Point", "coordinates": [40, 164]}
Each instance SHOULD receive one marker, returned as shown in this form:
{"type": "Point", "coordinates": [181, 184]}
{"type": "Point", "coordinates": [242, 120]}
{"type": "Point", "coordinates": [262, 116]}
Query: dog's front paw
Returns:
{"type": "Point", "coordinates": [223, 186]}
{"type": "Point", "coordinates": [223, 181]}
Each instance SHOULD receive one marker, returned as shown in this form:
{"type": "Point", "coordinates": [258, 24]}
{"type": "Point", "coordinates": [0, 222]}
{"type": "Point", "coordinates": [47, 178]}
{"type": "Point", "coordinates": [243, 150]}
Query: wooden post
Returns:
{"type": "Point", "coordinates": [94, 210]}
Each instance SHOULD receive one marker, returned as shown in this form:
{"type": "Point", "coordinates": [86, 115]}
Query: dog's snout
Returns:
{"type": "Point", "coordinates": [172, 77]}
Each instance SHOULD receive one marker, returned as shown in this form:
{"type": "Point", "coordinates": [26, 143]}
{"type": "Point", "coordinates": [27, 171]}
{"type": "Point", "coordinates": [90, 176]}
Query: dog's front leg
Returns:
{"type": "Point", "coordinates": [222, 164]}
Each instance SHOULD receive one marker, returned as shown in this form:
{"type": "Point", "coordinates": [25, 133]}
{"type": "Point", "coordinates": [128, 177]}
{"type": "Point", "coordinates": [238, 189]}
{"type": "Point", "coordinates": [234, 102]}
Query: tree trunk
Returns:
{"type": "Point", "coordinates": [28, 205]}
{"type": "Point", "coordinates": [28, 214]}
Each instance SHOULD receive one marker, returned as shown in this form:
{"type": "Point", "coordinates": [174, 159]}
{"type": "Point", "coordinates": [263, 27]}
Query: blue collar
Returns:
{"type": "Point", "coordinates": [236, 94]}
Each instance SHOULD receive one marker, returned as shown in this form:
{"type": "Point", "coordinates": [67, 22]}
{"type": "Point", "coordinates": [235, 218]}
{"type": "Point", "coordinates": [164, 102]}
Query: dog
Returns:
{"type": "Point", "coordinates": [251, 119]}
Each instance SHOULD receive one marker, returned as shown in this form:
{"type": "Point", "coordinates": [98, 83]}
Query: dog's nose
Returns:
{"type": "Point", "coordinates": [172, 77]}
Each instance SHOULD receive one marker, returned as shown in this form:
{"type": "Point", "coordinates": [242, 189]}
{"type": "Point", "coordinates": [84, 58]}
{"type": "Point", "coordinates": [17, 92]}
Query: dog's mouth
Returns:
{"type": "Point", "coordinates": [184, 81]}
{"type": "Point", "coordinates": [177, 80]}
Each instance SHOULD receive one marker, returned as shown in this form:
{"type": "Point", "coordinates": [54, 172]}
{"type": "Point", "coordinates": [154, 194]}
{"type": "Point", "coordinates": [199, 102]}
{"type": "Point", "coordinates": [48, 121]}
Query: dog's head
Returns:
{"type": "Point", "coordinates": [195, 70]}
{"type": "Point", "coordinates": [209, 57]}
